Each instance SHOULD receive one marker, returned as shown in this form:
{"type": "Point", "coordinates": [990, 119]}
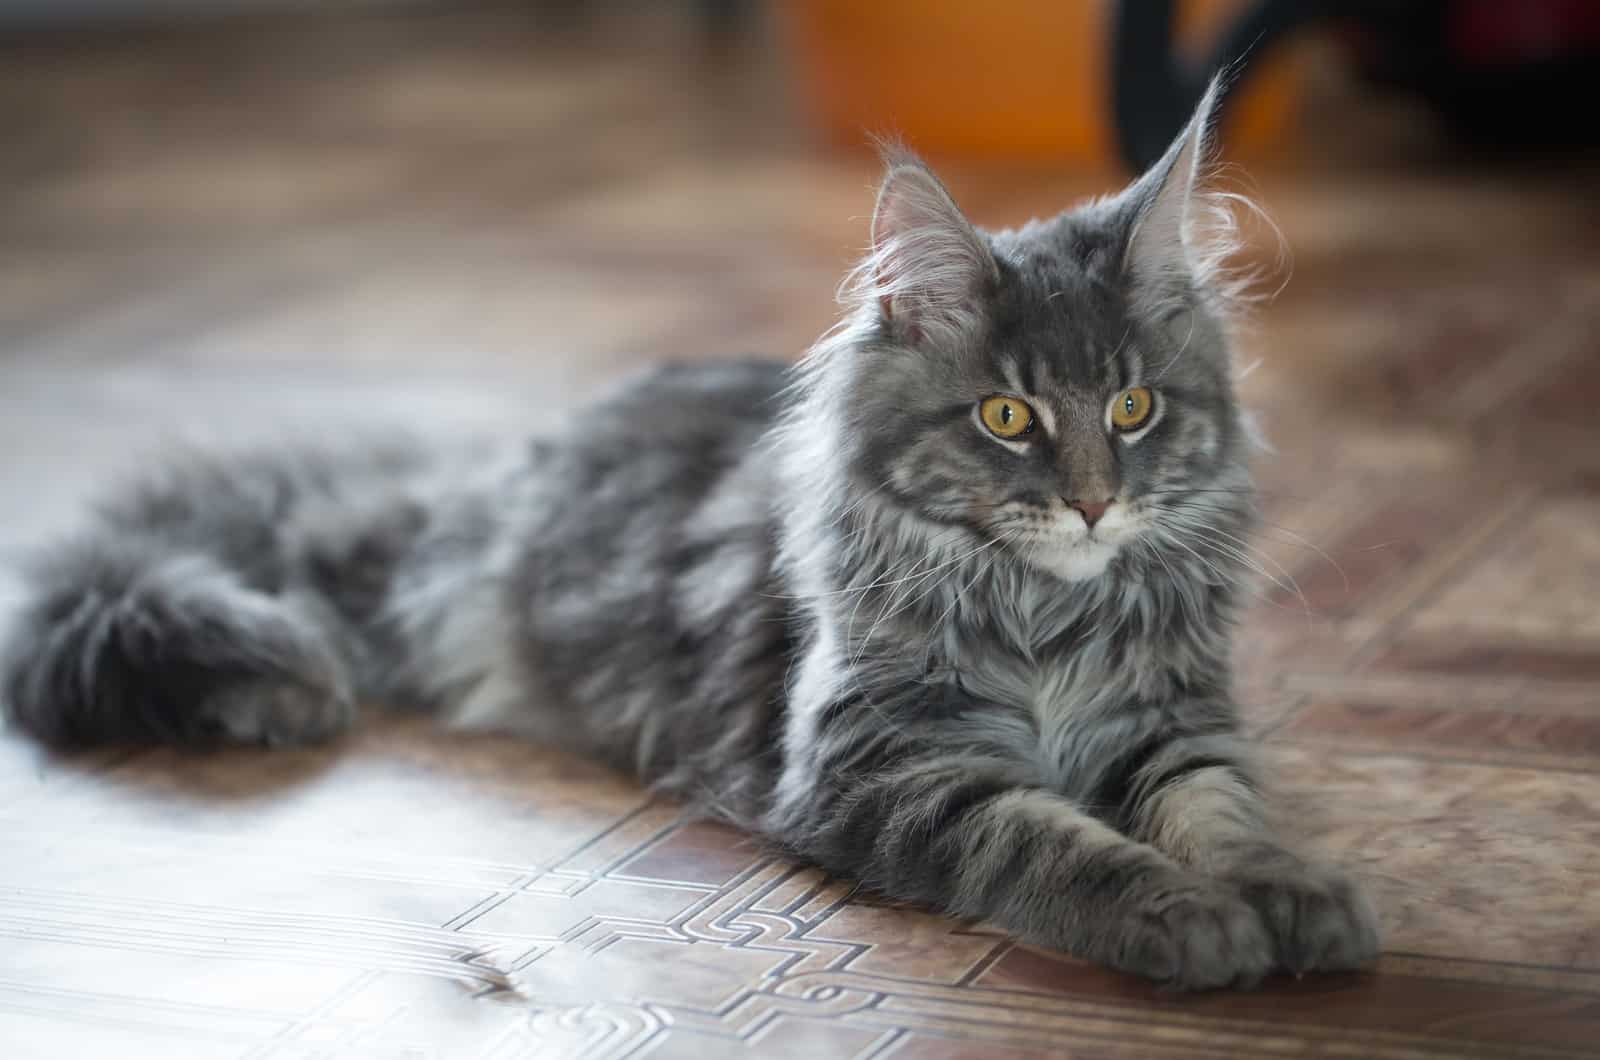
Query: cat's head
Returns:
{"type": "Point", "coordinates": [1064, 388]}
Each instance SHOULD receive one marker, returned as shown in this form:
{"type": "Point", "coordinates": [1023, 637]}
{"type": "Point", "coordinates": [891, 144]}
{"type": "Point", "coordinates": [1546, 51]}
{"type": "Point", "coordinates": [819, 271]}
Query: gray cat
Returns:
{"type": "Point", "coordinates": [945, 610]}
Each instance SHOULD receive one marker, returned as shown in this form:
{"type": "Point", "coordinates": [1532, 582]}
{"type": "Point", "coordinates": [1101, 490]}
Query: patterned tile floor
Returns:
{"type": "Point", "coordinates": [455, 221]}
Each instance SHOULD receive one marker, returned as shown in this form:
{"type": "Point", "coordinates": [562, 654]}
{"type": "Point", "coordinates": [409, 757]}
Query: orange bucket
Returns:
{"type": "Point", "coordinates": [1018, 79]}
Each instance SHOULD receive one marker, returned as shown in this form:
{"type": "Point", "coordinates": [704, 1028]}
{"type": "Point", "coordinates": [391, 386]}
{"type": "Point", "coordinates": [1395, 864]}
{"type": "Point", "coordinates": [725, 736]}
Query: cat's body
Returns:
{"type": "Point", "coordinates": [611, 591]}
{"type": "Point", "coordinates": [859, 607]}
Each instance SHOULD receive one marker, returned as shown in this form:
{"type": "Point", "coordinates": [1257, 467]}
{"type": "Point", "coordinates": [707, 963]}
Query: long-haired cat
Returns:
{"type": "Point", "coordinates": [946, 609]}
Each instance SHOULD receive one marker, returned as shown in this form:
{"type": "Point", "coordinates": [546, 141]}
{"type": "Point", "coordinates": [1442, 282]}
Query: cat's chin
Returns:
{"type": "Point", "coordinates": [1073, 561]}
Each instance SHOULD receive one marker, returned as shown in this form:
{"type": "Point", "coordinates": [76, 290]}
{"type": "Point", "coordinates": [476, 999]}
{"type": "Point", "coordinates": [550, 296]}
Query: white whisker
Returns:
{"type": "Point", "coordinates": [893, 606]}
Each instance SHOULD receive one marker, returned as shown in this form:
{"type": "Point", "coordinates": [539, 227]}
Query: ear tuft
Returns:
{"type": "Point", "coordinates": [928, 266]}
{"type": "Point", "coordinates": [1185, 235]}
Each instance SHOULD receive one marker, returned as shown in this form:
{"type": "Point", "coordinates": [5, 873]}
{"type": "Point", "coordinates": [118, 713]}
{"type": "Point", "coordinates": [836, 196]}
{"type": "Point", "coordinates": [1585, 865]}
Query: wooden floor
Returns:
{"type": "Point", "coordinates": [463, 221]}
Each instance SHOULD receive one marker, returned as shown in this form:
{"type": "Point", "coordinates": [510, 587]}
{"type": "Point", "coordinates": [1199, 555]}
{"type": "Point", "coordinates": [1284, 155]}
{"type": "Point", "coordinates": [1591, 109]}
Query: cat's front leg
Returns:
{"type": "Point", "coordinates": [949, 831]}
{"type": "Point", "coordinates": [1197, 800]}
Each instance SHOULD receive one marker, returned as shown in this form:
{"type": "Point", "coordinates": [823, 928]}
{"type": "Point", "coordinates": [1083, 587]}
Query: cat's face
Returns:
{"type": "Point", "coordinates": [1062, 390]}
{"type": "Point", "coordinates": [1068, 426]}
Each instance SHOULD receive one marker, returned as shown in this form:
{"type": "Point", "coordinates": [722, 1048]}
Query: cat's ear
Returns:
{"type": "Point", "coordinates": [928, 266]}
{"type": "Point", "coordinates": [1169, 252]}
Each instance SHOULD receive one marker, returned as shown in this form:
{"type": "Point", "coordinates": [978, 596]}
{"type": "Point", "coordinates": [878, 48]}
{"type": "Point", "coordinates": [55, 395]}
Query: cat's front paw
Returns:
{"type": "Point", "coordinates": [1320, 920]}
{"type": "Point", "coordinates": [1196, 938]}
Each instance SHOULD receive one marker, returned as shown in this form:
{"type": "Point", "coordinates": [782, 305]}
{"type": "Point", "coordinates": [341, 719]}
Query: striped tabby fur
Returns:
{"type": "Point", "coordinates": [825, 603]}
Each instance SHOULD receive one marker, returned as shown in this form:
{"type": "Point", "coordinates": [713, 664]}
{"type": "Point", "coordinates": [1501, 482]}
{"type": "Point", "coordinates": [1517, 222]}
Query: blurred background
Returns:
{"type": "Point", "coordinates": [225, 218]}
{"type": "Point", "coordinates": [226, 204]}
{"type": "Point", "coordinates": [559, 188]}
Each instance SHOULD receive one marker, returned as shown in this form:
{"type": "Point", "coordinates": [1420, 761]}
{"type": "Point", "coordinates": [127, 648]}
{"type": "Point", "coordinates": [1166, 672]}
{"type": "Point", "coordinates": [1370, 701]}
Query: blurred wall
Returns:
{"type": "Point", "coordinates": [23, 12]}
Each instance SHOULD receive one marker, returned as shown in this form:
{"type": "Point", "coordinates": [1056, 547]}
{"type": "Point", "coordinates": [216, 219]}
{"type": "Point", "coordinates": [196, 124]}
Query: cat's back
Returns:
{"type": "Point", "coordinates": [630, 468]}
{"type": "Point", "coordinates": [713, 405]}
{"type": "Point", "coordinates": [643, 599]}
{"type": "Point", "coordinates": [668, 461]}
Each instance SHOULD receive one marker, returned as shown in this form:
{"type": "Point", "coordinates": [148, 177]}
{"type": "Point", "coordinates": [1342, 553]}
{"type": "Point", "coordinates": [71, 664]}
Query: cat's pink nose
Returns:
{"type": "Point", "coordinates": [1090, 510]}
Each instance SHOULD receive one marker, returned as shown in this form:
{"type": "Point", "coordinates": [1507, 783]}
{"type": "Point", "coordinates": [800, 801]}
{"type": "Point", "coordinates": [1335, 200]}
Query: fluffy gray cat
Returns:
{"type": "Point", "coordinates": [946, 609]}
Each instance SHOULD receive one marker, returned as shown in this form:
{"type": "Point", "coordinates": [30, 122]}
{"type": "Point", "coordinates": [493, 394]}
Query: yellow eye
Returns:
{"type": "Point", "coordinates": [1007, 417]}
{"type": "Point", "coordinates": [1132, 408]}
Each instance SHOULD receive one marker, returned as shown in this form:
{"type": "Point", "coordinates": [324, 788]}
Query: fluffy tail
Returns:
{"type": "Point", "coordinates": [137, 640]}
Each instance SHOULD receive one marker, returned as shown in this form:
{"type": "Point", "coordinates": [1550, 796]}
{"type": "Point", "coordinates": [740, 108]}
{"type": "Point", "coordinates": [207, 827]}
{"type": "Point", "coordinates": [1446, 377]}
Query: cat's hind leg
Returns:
{"type": "Point", "coordinates": [126, 639]}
